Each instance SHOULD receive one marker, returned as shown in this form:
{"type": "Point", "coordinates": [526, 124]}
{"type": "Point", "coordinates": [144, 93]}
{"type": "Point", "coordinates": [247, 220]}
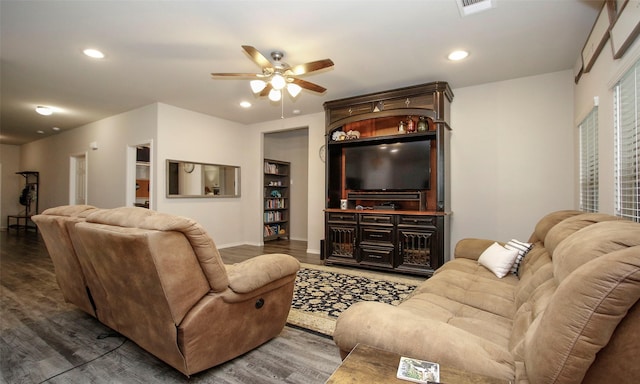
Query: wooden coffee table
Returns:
{"type": "Point", "coordinates": [367, 364]}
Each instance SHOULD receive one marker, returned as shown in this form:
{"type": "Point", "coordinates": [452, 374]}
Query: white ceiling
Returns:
{"type": "Point", "coordinates": [164, 51]}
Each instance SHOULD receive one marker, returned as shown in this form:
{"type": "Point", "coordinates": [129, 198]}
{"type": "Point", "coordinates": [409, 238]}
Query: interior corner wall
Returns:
{"type": "Point", "coordinates": [10, 184]}
{"type": "Point", "coordinates": [195, 137]}
{"type": "Point", "coordinates": [316, 176]}
{"type": "Point", "coordinates": [106, 165]}
{"type": "Point", "coordinates": [599, 82]}
{"type": "Point", "coordinates": [512, 157]}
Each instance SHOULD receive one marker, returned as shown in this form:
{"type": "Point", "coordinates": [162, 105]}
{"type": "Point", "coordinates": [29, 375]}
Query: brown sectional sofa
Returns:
{"type": "Point", "coordinates": [571, 316]}
{"type": "Point", "coordinates": [159, 280]}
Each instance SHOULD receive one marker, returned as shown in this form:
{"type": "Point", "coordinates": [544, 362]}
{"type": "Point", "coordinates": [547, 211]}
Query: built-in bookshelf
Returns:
{"type": "Point", "coordinates": [277, 187]}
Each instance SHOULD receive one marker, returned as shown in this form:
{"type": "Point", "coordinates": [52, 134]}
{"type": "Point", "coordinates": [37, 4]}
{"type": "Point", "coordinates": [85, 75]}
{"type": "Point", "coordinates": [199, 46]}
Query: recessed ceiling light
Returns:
{"type": "Point", "coordinates": [245, 104]}
{"type": "Point", "coordinates": [296, 111]}
{"type": "Point", "coordinates": [93, 53]}
{"type": "Point", "coordinates": [56, 129]}
{"type": "Point", "coordinates": [40, 132]}
{"type": "Point", "coordinates": [458, 55]}
{"type": "Point", "coordinates": [44, 111]}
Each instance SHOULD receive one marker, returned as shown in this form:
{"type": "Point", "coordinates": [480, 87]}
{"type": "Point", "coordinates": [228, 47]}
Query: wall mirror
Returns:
{"type": "Point", "coordinates": [189, 179]}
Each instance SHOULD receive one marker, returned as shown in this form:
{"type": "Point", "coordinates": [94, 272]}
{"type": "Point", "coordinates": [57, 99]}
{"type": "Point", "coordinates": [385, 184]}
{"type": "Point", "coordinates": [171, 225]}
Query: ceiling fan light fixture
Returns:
{"type": "Point", "coordinates": [278, 82]}
{"type": "Point", "coordinates": [294, 89]}
{"type": "Point", "coordinates": [275, 95]}
{"type": "Point", "coordinates": [257, 85]}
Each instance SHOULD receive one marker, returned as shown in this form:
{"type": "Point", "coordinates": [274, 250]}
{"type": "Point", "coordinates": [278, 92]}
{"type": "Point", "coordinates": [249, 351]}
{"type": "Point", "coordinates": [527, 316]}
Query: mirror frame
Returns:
{"type": "Point", "coordinates": [181, 165]}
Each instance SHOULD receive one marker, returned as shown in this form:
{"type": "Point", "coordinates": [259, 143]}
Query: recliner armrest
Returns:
{"type": "Point", "coordinates": [259, 271]}
{"type": "Point", "coordinates": [471, 248]}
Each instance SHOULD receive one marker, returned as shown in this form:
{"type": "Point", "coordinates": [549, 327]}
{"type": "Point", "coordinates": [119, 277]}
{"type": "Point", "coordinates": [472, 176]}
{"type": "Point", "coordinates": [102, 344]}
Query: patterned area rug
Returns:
{"type": "Point", "coordinates": [322, 293]}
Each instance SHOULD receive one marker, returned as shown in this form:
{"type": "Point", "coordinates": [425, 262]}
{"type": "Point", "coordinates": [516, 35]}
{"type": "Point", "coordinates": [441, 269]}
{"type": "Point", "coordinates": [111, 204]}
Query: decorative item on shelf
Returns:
{"type": "Point", "coordinates": [423, 126]}
{"type": "Point", "coordinates": [276, 193]}
{"type": "Point", "coordinates": [353, 134]}
{"type": "Point", "coordinates": [402, 126]}
{"type": "Point", "coordinates": [338, 136]}
{"type": "Point", "coordinates": [411, 125]}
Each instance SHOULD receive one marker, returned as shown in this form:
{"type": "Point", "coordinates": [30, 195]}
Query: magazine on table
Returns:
{"type": "Point", "coordinates": [418, 371]}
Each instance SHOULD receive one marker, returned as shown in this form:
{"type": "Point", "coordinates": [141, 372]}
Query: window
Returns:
{"type": "Point", "coordinates": [627, 142]}
{"type": "Point", "coordinates": [588, 130]}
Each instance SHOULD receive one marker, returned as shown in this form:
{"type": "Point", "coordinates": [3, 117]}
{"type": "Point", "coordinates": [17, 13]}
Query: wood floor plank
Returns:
{"type": "Point", "coordinates": [44, 339]}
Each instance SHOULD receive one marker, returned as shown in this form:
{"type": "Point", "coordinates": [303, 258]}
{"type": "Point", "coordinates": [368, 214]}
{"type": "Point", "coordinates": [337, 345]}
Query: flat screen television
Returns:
{"type": "Point", "coordinates": [399, 166]}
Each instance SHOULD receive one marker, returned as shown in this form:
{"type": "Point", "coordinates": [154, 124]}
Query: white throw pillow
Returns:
{"type": "Point", "coordinates": [498, 259]}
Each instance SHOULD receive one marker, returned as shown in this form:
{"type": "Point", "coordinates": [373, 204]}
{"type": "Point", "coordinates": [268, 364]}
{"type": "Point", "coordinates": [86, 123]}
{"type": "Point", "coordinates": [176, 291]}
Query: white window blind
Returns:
{"type": "Point", "coordinates": [588, 130]}
{"type": "Point", "coordinates": [627, 143]}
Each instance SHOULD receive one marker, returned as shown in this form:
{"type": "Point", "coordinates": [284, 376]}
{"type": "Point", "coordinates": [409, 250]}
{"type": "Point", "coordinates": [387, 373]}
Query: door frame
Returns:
{"type": "Point", "coordinates": [130, 184]}
{"type": "Point", "coordinates": [73, 179]}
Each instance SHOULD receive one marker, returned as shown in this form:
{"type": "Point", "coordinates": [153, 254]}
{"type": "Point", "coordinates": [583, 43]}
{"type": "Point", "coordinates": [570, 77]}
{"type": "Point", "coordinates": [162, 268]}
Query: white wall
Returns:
{"type": "Point", "coordinates": [316, 184]}
{"type": "Point", "coordinates": [512, 161]}
{"type": "Point", "coordinates": [106, 166]}
{"type": "Point", "coordinates": [10, 184]}
{"type": "Point", "coordinates": [599, 83]}
{"type": "Point", "coordinates": [195, 137]}
{"type": "Point", "coordinates": [512, 155]}
{"type": "Point", "coordinates": [293, 146]}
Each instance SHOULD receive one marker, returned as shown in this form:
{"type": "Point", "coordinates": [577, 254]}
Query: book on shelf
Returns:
{"type": "Point", "coordinates": [418, 371]}
{"type": "Point", "coordinates": [273, 216]}
{"type": "Point", "coordinates": [271, 168]}
{"type": "Point", "coordinates": [271, 230]}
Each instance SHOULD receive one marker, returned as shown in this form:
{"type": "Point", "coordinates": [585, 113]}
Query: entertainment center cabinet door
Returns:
{"type": "Point", "coordinates": [341, 233]}
{"type": "Point", "coordinates": [418, 250]}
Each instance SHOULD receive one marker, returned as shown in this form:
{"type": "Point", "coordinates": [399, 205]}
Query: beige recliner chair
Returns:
{"type": "Point", "coordinates": [52, 224]}
{"type": "Point", "coordinates": [167, 289]}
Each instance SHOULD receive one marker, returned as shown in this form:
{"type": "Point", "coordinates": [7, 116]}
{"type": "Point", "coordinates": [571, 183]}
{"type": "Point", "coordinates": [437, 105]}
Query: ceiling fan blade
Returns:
{"type": "Point", "coordinates": [266, 90]}
{"type": "Point", "coordinates": [312, 66]}
{"type": "Point", "coordinates": [235, 75]}
{"type": "Point", "coordinates": [257, 57]}
{"type": "Point", "coordinates": [308, 85]}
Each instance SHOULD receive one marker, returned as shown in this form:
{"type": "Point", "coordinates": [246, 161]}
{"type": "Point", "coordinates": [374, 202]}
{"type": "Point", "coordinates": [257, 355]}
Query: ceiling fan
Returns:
{"type": "Point", "coordinates": [278, 75]}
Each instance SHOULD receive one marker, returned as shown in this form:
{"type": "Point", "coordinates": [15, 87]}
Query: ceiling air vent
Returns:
{"type": "Point", "coordinates": [469, 7]}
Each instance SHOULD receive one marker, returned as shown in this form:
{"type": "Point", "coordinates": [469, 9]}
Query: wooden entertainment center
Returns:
{"type": "Point", "coordinates": [389, 227]}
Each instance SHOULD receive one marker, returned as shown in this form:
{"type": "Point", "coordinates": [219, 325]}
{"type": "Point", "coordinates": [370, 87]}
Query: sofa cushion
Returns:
{"type": "Point", "coordinates": [498, 259]}
{"type": "Point", "coordinates": [592, 242]}
{"type": "Point", "coordinates": [489, 326]}
{"type": "Point", "coordinates": [70, 210]}
{"type": "Point", "coordinates": [566, 228]}
{"type": "Point", "coordinates": [377, 324]}
{"type": "Point", "coordinates": [202, 244]}
{"type": "Point", "coordinates": [549, 221]}
{"type": "Point", "coordinates": [588, 304]}
{"type": "Point", "coordinates": [464, 281]}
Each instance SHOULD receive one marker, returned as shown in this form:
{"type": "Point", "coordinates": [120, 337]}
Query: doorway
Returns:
{"type": "Point", "coordinates": [293, 146]}
{"type": "Point", "coordinates": [78, 179]}
{"type": "Point", "coordinates": [140, 175]}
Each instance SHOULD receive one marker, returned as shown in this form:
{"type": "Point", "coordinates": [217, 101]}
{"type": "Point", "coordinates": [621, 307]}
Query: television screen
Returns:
{"type": "Point", "coordinates": [391, 167]}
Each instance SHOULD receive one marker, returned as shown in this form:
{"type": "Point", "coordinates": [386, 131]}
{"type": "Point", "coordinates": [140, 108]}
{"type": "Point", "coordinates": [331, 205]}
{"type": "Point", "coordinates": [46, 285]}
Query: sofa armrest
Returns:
{"type": "Point", "coordinates": [471, 248]}
{"type": "Point", "coordinates": [259, 271]}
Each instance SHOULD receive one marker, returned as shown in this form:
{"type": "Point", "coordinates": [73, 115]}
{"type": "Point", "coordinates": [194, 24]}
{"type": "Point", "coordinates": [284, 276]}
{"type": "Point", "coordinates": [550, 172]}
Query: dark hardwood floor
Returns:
{"type": "Point", "coordinates": [43, 339]}
{"type": "Point", "coordinates": [297, 249]}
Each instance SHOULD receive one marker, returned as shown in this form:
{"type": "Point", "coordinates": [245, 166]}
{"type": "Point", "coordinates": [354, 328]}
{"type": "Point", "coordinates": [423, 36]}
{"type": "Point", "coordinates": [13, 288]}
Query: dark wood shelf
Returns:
{"type": "Point", "coordinates": [276, 218]}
